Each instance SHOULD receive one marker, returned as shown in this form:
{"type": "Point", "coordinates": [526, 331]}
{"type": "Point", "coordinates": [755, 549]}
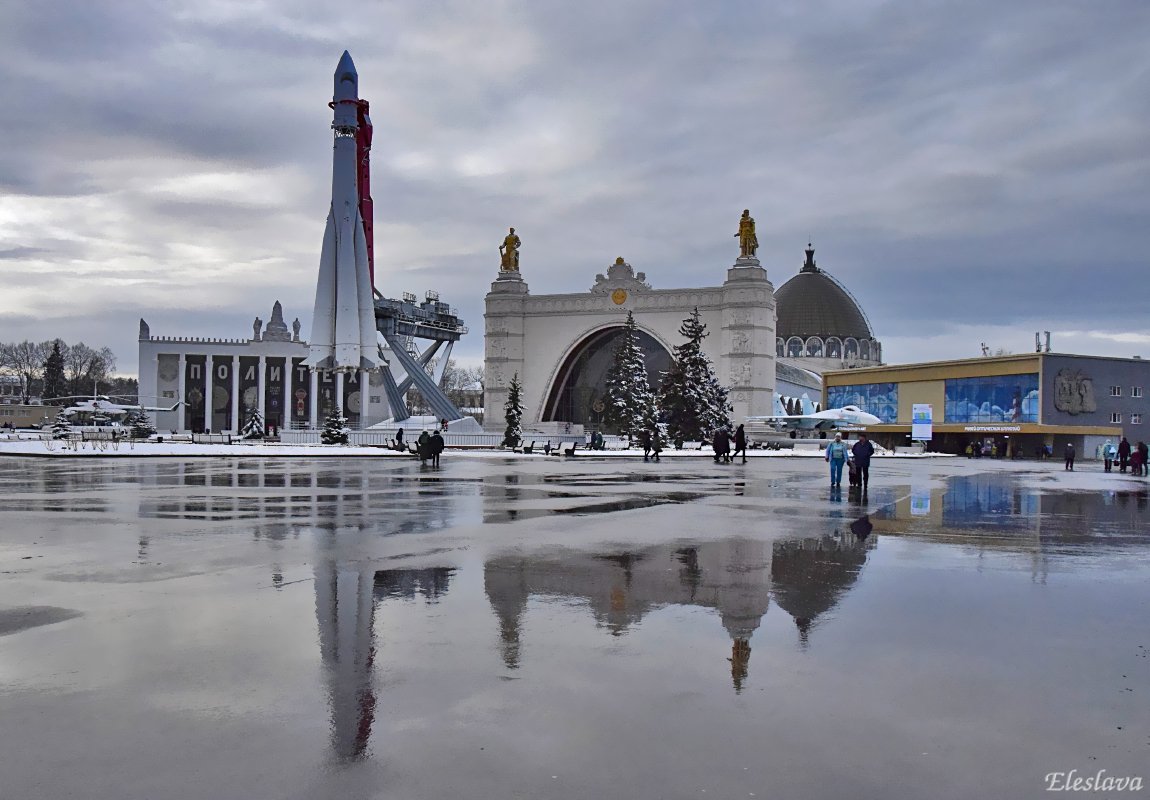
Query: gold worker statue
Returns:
{"type": "Point", "coordinates": [748, 241]}
{"type": "Point", "coordinates": [509, 253]}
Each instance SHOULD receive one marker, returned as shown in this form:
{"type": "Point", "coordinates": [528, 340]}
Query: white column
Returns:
{"type": "Point", "coordinates": [339, 392]}
{"type": "Point", "coordinates": [235, 394]}
{"type": "Point", "coordinates": [363, 398]}
{"type": "Point", "coordinates": [181, 409]}
{"type": "Point", "coordinates": [313, 401]}
{"type": "Point", "coordinates": [207, 393]}
{"type": "Point", "coordinates": [285, 417]}
{"type": "Point", "coordinates": [261, 388]}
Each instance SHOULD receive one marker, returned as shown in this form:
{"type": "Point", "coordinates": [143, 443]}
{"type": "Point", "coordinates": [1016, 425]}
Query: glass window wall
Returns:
{"type": "Point", "coordinates": [997, 398]}
{"type": "Point", "coordinates": [880, 399]}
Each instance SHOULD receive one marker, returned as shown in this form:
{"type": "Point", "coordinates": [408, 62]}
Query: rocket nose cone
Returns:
{"type": "Point", "coordinates": [346, 78]}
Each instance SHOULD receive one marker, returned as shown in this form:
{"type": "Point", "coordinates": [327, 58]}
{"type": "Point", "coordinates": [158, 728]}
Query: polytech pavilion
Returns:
{"type": "Point", "coordinates": [1017, 403]}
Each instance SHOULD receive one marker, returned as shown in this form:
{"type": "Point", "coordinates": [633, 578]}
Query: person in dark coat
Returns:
{"type": "Point", "coordinates": [1069, 455]}
{"type": "Point", "coordinates": [435, 446]}
{"type": "Point", "coordinates": [1144, 450]}
{"type": "Point", "coordinates": [1138, 456]}
{"type": "Point", "coordinates": [399, 440]}
{"type": "Point", "coordinates": [1123, 454]}
{"type": "Point", "coordinates": [645, 443]}
{"type": "Point", "coordinates": [421, 446]}
{"type": "Point", "coordinates": [722, 445]}
{"type": "Point", "coordinates": [740, 443]}
{"type": "Point", "coordinates": [862, 451]}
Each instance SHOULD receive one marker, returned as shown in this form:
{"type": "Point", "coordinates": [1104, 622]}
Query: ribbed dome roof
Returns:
{"type": "Point", "coordinates": [813, 304]}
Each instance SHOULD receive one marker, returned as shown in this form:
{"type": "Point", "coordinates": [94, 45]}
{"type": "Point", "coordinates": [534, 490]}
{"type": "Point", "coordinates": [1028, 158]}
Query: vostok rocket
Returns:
{"type": "Point", "coordinates": [343, 333]}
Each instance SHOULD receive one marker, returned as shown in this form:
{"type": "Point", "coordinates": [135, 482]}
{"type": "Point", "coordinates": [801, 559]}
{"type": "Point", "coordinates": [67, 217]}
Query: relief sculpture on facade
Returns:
{"type": "Point", "coordinates": [1074, 392]}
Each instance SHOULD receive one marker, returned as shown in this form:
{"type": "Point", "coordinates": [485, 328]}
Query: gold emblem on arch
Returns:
{"type": "Point", "coordinates": [619, 297]}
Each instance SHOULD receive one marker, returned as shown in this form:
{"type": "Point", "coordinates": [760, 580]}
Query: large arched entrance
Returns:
{"type": "Point", "coordinates": [576, 395]}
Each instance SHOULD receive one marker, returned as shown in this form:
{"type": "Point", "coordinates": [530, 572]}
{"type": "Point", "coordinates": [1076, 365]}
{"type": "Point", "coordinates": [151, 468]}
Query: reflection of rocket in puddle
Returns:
{"type": "Point", "coordinates": [346, 598]}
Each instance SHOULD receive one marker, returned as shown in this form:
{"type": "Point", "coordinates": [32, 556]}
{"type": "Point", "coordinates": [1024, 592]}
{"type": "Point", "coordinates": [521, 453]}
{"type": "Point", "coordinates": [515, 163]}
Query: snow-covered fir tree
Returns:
{"type": "Point", "coordinates": [628, 396]}
{"type": "Point", "coordinates": [254, 425]}
{"type": "Point", "coordinates": [513, 413]}
{"type": "Point", "coordinates": [692, 400]}
{"type": "Point", "coordinates": [141, 424]}
{"type": "Point", "coordinates": [335, 430]}
{"type": "Point", "coordinates": [61, 427]}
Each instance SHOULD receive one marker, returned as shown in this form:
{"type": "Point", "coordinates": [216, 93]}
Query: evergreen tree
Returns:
{"type": "Point", "coordinates": [335, 430]}
{"type": "Point", "coordinates": [55, 384]}
{"type": "Point", "coordinates": [628, 394]}
{"type": "Point", "coordinates": [513, 413]}
{"type": "Point", "coordinates": [61, 427]}
{"type": "Point", "coordinates": [691, 397]}
{"type": "Point", "coordinates": [141, 424]}
{"type": "Point", "coordinates": [254, 426]}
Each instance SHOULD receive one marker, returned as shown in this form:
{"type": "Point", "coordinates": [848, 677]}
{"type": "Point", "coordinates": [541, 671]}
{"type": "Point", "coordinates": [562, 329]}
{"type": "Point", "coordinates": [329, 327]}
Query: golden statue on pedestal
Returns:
{"type": "Point", "coordinates": [509, 253]}
{"type": "Point", "coordinates": [748, 241]}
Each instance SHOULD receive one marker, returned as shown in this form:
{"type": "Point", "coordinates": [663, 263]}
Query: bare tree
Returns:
{"type": "Point", "coordinates": [86, 366]}
{"type": "Point", "coordinates": [26, 360]}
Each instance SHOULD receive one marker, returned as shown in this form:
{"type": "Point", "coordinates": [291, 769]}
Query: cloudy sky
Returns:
{"type": "Point", "coordinates": [972, 171]}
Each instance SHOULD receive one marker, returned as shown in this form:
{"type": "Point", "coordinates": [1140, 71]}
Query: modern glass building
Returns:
{"type": "Point", "coordinates": [1014, 404]}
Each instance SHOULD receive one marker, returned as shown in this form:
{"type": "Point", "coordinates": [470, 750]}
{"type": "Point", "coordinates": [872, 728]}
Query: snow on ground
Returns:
{"type": "Point", "coordinates": [141, 449]}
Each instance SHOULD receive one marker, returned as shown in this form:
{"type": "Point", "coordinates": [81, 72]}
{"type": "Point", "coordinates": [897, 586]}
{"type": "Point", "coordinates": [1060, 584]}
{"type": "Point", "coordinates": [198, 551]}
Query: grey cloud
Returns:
{"type": "Point", "coordinates": [956, 163]}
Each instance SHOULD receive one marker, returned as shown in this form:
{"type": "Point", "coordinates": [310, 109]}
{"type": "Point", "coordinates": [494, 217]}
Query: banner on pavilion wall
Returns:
{"type": "Point", "coordinates": [921, 421]}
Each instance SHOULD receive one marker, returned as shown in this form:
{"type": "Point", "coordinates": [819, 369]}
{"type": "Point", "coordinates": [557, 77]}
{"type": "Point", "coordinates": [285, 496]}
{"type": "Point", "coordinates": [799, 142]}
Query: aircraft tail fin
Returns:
{"type": "Point", "coordinates": [807, 406]}
{"type": "Point", "coordinates": [779, 410]}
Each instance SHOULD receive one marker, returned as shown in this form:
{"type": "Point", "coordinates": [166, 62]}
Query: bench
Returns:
{"type": "Point", "coordinates": [102, 436]}
{"type": "Point", "coordinates": [211, 438]}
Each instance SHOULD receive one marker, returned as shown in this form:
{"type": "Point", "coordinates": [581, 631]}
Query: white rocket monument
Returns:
{"type": "Point", "coordinates": [343, 333]}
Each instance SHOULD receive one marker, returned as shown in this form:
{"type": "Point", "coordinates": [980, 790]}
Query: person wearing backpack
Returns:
{"type": "Point", "coordinates": [836, 456]}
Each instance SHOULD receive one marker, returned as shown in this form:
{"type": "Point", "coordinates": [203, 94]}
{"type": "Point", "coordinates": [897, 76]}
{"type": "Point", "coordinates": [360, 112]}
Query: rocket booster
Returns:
{"type": "Point", "coordinates": [343, 326]}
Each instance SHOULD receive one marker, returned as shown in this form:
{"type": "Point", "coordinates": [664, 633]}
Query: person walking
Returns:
{"type": "Point", "coordinates": [1143, 452]}
{"type": "Point", "coordinates": [1068, 453]}
{"type": "Point", "coordinates": [1123, 454]}
{"type": "Point", "coordinates": [645, 441]}
{"type": "Point", "coordinates": [421, 446]}
{"type": "Point", "coordinates": [721, 444]}
{"type": "Point", "coordinates": [399, 440]}
{"type": "Point", "coordinates": [1108, 453]}
{"type": "Point", "coordinates": [740, 443]}
{"type": "Point", "coordinates": [862, 451]}
{"type": "Point", "coordinates": [836, 456]}
{"type": "Point", "coordinates": [435, 446]}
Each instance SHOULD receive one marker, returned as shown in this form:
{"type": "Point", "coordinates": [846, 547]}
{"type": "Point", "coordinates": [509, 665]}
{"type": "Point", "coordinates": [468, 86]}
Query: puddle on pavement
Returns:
{"type": "Point", "coordinates": [874, 631]}
{"type": "Point", "coordinates": [14, 620]}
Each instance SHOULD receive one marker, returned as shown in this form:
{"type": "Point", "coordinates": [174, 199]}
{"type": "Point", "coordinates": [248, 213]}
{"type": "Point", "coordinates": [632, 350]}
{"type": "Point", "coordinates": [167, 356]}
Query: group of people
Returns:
{"type": "Point", "coordinates": [428, 446]}
{"type": "Point", "coordinates": [727, 445]}
{"type": "Point", "coordinates": [859, 455]}
{"type": "Point", "coordinates": [1136, 456]}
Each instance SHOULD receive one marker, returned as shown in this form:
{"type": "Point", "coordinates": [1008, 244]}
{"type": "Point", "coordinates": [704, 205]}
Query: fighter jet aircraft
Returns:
{"type": "Point", "coordinates": [811, 420]}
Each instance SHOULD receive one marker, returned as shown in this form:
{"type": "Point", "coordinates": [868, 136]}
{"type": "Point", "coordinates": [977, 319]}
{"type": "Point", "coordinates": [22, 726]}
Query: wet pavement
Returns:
{"type": "Point", "coordinates": [523, 629]}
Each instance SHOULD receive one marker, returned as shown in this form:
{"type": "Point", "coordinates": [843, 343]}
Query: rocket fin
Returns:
{"type": "Point", "coordinates": [368, 344]}
{"type": "Point", "coordinates": [322, 321]}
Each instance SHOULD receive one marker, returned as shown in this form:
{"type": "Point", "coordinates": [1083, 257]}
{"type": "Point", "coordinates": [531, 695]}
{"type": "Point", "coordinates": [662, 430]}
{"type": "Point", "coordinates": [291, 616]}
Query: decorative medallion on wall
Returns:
{"type": "Point", "coordinates": [1074, 392]}
{"type": "Point", "coordinates": [619, 297]}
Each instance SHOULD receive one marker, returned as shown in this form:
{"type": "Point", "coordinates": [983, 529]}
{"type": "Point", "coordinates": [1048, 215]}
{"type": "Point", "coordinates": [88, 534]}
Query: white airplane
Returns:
{"type": "Point", "coordinates": [811, 420]}
{"type": "Point", "coordinates": [97, 410]}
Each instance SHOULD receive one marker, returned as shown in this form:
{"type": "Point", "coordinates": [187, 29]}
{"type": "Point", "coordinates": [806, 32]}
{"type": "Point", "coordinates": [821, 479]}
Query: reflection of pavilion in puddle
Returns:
{"type": "Point", "coordinates": [736, 577]}
{"type": "Point", "coordinates": [987, 513]}
{"type": "Point", "coordinates": [346, 599]}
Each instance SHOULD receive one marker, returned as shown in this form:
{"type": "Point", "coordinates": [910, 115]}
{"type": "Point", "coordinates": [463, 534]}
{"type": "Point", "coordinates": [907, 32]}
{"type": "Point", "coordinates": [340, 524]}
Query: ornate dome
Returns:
{"type": "Point", "coordinates": [813, 303]}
